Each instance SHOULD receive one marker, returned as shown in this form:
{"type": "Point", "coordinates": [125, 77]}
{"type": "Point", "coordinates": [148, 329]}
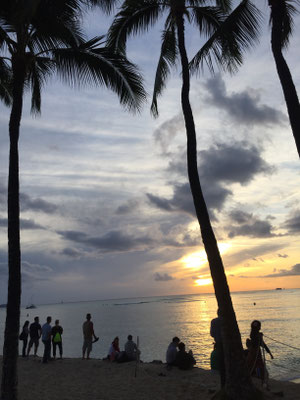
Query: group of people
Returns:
{"type": "Point", "coordinates": [254, 352]}
{"type": "Point", "coordinates": [50, 335]}
{"type": "Point", "coordinates": [177, 356]}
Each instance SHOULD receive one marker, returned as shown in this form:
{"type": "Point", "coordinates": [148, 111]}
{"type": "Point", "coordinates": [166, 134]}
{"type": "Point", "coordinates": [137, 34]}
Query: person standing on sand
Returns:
{"type": "Point", "coordinates": [35, 331]}
{"type": "Point", "coordinates": [46, 338]}
{"type": "Point", "coordinates": [88, 334]}
{"type": "Point", "coordinates": [56, 333]}
{"type": "Point", "coordinates": [215, 332]}
{"type": "Point", "coordinates": [24, 337]}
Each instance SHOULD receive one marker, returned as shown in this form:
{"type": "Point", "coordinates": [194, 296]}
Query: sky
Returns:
{"type": "Point", "coordinates": [106, 209]}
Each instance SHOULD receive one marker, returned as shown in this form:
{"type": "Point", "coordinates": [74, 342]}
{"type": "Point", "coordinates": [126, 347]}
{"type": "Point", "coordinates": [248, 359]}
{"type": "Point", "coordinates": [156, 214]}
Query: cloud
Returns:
{"type": "Point", "coordinates": [249, 225]}
{"type": "Point", "coordinates": [127, 208]}
{"type": "Point", "coordinates": [162, 277]}
{"type": "Point", "coordinates": [73, 253]}
{"type": "Point", "coordinates": [36, 204]}
{"type": "Point", "coordinates": [242, 107]}
{"type": "Point", "coordinates": [24, 224]}
{"type": "Point", "coordinates": [282, 255]}
{"type": "Point", "coordinates": [292, 224]}
{"type": "Point", "coordinates": [294, 271]}
{"type": "Point", "coordinates": [113, 241]}
{"type": "Point", "coordinates": [166, 132]}
{"type": "Point", "coordinates": [220, 165]}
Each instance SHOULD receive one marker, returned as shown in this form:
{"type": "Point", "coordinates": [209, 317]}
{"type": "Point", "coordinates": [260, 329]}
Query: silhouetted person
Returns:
{"type": "Point", "coordinates": [56, 333]}
{"type": "Point", "coordinates": [255, 360]}
{"type": "Point", "coordinates": [131, 349]}
{"type": "Point", "coordinates": [88, 334]}
{"type": "Point", "coordinates": [114, 350]}
{"type": "Point", "coordinates": [172, 351]}
{"type": "Point", "coordinates": [35, 331]}
{"type": "Point", "coordinates": [24, 337]}
{"type": "Point", "coordinates": [215, 332]}
{"type": "Point", "coordinates": [183, 359]}
{"type": "Point", "coordinates": [46, 338]}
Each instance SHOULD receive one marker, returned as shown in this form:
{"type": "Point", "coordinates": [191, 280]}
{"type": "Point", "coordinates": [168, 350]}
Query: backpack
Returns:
{"type": "Point", "coordinates": [57, 338]}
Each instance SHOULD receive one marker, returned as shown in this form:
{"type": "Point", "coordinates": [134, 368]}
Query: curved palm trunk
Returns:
{"type": "Point", "coordinates": [285, 77]}
{"type": "Point", "coordinates": [238, 382]}
{"type": "Point", "coordinates": [11, 342]}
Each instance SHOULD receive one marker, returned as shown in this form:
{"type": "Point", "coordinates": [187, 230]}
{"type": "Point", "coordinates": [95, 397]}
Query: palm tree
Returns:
{"type": "Point", "coordinates": [39, 38]}
{"type": "Point", "coordinates": [281, 21]}
{"type": "Point", "coordinates": [230, 34]}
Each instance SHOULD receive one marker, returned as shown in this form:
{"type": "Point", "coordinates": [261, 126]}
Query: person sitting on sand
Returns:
{"type": "Point", "coordinates": [56, 333]}
{"type": "Point", "coordinates": [114, 350]}
{"type": "Point", "coordinates": [35, 332]}
{"type": "Point", "coordinates": [183, 359]}
{"type": "Point", "coordinates": [88, 334]}
{"type": "Point", "coordinates": [172, 351]}
{"type": "Point", "coordinates": [131, 349]}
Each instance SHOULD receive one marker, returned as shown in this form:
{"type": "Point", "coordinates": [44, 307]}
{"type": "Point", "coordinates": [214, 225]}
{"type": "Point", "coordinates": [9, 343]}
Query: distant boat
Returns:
{"type": "Point", "coordinates": [278, 288]}
{"type": "Point", "coordinates": [30, 307]}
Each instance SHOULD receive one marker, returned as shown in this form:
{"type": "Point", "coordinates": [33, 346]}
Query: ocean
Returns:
{"type": "Point", "coordinates": [155, 320]}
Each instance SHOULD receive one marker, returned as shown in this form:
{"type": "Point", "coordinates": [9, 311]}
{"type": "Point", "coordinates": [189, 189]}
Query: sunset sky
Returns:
{"type": "Point", "coordinates": [106, 210]}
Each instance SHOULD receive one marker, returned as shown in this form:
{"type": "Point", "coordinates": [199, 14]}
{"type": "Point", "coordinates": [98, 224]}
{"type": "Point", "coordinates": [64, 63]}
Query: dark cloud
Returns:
{"type": "Point", "coordinates": [282, 255]}
{"type": "Point", "coordinates": [36, 204]}
{"type": "Point", "coordinates": [162, 277]}
{"type": "Point", "coordinates": [249, 225]}
{"type": "Point", "coordinates": [128, 208]}
{"type": "Point", "coordinates": [292, 224]}
{"type": "Point", "coordinates": [219, 166]}
{"type": "Point", "coordinates": [232, 163]}
{"type": "Point", "coordinates": [113, 241]}
{"type": "Point", "coordinates": [294, 271]}
{"type": "Point", "coordinates": [73, 253]}
{"type": "Point", "coordinates": [243, 107]}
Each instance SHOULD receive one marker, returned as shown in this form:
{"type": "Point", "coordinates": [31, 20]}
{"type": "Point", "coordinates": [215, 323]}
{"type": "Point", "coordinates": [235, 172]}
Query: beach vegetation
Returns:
{"type": "Point", "coordinates": [229, 33]}
{"type": "Point", "coordinates": [39, 38]}
{"type": "Point", "coordinates": [281, 21]}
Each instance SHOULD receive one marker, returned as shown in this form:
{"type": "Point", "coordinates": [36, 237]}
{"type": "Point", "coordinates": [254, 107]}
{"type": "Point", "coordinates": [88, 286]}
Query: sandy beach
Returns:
{"type": "Point", "coordinates": [76, 379]}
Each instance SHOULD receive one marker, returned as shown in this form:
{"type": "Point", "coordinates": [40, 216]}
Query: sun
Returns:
{"type": "Point", "coordinates": [203, 281]}
{"type": "Point", "coordinates": [195, 260]}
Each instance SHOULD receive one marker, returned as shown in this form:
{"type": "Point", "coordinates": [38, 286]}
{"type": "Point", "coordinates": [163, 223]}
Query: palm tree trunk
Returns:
{"type": "Point", "coordinates": [285, 77]}
{"type": "Point", "coordinates": [238, 382]}
{"type": "Point", "coordinates": [12, 325]}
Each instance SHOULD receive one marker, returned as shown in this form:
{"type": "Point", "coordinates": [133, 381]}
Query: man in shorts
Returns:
{"type": "Point", "coordinates": [35, 331]}
{"type": "Point", "coordinates": [88, 334]}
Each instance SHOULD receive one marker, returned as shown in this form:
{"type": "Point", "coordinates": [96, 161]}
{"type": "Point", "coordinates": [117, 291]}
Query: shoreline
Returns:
{"type": "Point", "coordinates": [76, 379]}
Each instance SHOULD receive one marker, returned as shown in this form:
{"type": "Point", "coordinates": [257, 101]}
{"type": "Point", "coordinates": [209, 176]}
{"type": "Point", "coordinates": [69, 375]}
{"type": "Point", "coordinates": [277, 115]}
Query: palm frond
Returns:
{"type": "Point", "coordinates": [105, 5]}
{"type": "Point", "coordinates": [5, 83]}
{"type": "Point", "coordinates": [167, 59]}
{"type": "Point", "coordinates": [101, 66]}
{"type": "Point", "coordinates": [134, 17]}
{"type": "Point", "coordinates": [207, 19]}
{"type": "Point", "coordinates": [225, 47]}
{"type": "Point", "coordinates": [287, 11]}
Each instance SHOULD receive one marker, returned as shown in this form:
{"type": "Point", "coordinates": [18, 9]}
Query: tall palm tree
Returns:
{"type": "Point", "coordinates": [281, 21]}
{"type": "Point", "coordinates": [230, 34]}
{"type": "Point", "coordinates": [39, 38]}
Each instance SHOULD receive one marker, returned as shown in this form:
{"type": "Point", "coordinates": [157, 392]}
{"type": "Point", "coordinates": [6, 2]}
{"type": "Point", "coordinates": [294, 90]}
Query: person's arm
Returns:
{"type": "Point", "coordinates": [93, 332]}
{"type": "Point", "coordinates": [266, 348]}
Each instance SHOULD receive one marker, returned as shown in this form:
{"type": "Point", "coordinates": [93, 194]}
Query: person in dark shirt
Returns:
{"type": "Point", "coordinates": [35, 331]}
{"type": "Point", "coordinates": [216, 333]}
{"type": "Point", "coordinates": [56, 333]}
{"type": "Point", "coordinates": [183, 359]}
{"type": "Point", "coordinates": [24, 337]}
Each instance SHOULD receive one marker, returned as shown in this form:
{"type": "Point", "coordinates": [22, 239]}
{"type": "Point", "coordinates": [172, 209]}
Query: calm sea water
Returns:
{"type": "Point", "coordinates": [157, 319]}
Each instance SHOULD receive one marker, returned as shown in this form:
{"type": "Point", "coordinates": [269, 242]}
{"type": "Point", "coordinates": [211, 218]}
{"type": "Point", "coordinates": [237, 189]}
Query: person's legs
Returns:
{"type": "Point", "coordinates": [54, 349]}
{"type": "Point", "coordinates": [45, 351]}
{"type": "Point", "coordinates": [89, 349]}
{"type": "Point", "coordinates": [84, 349]}
{"type": "Point", "coordinates": [36, 345]}
{"type": "Point", "coordinates": [29, 347]}
{"type": "Point", "coordinates": [48, 349]}
{"type": "Point", "coordinates": [24, 347]}
{"type": "Point", "coordinates": [60, 349]}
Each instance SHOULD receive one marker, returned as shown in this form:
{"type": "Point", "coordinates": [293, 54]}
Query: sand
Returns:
{"type": "Point", "coordinates": [76, 379]}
